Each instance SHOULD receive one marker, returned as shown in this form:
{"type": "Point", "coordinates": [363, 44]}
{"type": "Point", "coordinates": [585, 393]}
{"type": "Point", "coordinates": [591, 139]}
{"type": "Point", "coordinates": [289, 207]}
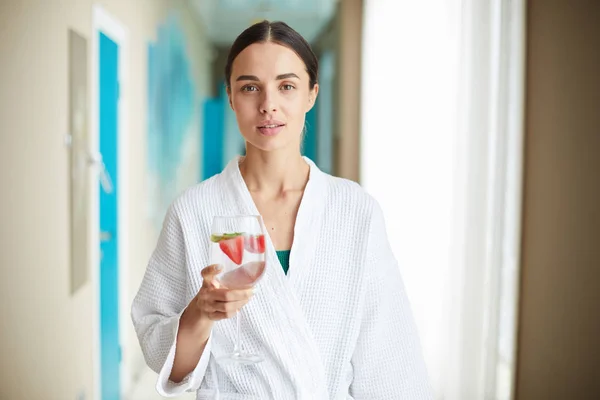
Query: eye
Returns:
{"type": "Point", "coordinates": [287, 86]}
{"type": "Point", "coordinates": [249, 88]}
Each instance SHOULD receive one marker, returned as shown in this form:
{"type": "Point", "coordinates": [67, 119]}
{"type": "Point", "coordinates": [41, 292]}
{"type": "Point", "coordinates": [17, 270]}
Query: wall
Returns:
{"type": "Point", "coordinates": [326, 48]}
{"type": "Point", "coordinates": [347, 153]}
{"type": "Point", "coordinates": [46, 337]}
{"type": "Point", "coordinates": [559, 335]}
{"type": "Point", "coordinates": [178, 84]}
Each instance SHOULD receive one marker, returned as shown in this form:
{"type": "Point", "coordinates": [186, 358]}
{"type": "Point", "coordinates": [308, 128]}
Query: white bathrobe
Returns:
{"type": "Point", "coordinates": [338, 326]}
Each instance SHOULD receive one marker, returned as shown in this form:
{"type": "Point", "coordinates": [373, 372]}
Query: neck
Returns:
{"type": "Point", "coordinates": [274, 172]}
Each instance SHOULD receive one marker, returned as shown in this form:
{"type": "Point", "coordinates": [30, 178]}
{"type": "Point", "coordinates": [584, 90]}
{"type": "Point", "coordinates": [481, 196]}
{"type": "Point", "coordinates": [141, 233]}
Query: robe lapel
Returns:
{"type": "Point", "coordinates": [275, 322]}
{"type": "Point", "coordinates": [308, 224]}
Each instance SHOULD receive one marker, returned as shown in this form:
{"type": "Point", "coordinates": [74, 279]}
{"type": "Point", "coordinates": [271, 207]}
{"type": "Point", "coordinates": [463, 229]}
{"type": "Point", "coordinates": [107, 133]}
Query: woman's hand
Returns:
{"type": "Point", "coordinates": [216, 302]}
{"type": "Point", "coordinates": [212, 303]}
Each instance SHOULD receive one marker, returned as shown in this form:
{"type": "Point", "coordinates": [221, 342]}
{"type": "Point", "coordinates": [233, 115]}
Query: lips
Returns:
{"type": "Point", "coordinates": [270, 124]}
{"type": "Point", "coordinates": [271, 127]}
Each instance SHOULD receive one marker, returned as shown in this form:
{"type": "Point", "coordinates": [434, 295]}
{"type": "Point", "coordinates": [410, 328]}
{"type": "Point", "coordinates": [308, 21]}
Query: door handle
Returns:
{"type": "Point", "coordinates": [105, 181]}
{"type": "Point", "coordinates": [105, 236]}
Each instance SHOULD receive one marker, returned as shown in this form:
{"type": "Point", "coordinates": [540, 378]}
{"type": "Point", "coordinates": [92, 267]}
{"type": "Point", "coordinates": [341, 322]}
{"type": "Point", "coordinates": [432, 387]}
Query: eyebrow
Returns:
{"type": "Point", "coordinates": [255, 78]}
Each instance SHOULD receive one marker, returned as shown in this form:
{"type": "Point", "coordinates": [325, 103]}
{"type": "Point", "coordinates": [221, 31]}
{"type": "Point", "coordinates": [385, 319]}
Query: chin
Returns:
{"type": "Point", "coordinates": [268, 143]}
{"type": "Point", "coordinates": [267, 147]}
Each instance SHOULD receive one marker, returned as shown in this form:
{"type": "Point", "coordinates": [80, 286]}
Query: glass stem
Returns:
{"type": "Point", "coordinates": [238, 344]}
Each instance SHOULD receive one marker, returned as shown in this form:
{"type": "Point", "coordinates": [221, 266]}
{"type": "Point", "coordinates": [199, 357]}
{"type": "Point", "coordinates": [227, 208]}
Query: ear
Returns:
{"type": "Point", "coordinates": [312, 97]}
{"type": "Point", "coordinates": [228, 90]}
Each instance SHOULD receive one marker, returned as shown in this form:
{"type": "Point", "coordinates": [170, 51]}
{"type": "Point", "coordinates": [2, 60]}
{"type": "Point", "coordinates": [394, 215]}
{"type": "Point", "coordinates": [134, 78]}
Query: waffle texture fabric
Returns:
{"type": "Point", "coordinates": [338, 326]}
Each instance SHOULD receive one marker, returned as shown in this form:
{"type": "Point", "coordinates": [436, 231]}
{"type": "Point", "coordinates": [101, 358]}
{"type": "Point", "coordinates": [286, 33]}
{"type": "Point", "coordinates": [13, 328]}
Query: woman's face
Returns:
{"type": "Point", "coordinates": [270, 95]}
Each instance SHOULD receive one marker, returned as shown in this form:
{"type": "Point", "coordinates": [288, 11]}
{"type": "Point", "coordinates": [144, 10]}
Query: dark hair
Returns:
{"type": "Point", "coordinates": [276, 32]}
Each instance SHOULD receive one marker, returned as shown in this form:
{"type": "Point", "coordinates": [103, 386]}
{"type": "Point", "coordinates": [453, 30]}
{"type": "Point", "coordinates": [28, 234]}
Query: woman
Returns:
{"type": "Point", "coordinates": [337, 324]}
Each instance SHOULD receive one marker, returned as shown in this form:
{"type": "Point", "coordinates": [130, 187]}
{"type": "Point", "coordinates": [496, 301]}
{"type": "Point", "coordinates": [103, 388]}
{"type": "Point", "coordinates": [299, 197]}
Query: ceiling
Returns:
{"type": "Point", "coordinates": [226, 19]}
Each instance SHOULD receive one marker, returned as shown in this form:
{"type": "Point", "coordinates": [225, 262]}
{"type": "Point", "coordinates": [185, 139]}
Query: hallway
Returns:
{"type": "Point", "coordinates": [473, 124]}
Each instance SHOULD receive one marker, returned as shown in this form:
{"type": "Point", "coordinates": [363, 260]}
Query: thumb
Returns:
{"type": "Point", "coordinates": [208, 275]}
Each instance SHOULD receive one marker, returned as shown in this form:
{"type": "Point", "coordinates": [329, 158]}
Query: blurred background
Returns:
{"type": "Point", "coordinates": [475, 124]}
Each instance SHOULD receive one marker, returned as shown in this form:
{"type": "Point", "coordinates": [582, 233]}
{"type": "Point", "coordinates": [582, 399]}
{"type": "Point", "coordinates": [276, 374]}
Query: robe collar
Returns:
{"type": "Point", "coordinates": [308, 220]}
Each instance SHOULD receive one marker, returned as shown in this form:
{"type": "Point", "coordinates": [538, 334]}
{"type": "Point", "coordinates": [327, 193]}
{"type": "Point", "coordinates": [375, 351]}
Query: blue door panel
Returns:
{"type": "Point", "coordinates": [213, 133]}
{"type": "Point", "coordinates": [309, 148]}
{"type": "Point", "coordinates": [109, 268]}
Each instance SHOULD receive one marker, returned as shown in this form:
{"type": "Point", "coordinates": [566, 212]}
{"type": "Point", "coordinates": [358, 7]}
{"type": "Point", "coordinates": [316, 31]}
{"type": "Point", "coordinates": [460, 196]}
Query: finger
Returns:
{"type": "Point", "coordinates": [209, 302]}
{"type": "Point", "coordinates": [222, 306]}
{"type": "Point", "coordinates": [208, 275]}
{"type": "Point", "coordinates": [208, 307]}
{"type": "Point", "coordinates": [219, 315]}
{"type": "Point", "coordinates": [226, 295]}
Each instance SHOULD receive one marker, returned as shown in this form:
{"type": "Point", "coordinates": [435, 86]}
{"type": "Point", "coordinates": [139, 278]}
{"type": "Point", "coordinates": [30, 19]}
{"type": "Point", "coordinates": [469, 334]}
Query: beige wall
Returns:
{"type": "Point", "coordinates": [347, 153]}
{"type": "Point", "coordinates": [559, 338]}
{"type": "Point", "coordinates": [46, 335]}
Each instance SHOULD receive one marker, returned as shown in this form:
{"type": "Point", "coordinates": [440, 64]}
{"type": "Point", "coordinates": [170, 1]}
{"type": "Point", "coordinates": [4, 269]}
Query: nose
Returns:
{"type": "Point", "coordinates": [267, 103]}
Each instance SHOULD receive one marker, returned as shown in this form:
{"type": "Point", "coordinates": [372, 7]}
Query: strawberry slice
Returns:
{"type": "Point", "coordinates": [255, 244]}
{"type": "Point", "coordinates": [233, 248]}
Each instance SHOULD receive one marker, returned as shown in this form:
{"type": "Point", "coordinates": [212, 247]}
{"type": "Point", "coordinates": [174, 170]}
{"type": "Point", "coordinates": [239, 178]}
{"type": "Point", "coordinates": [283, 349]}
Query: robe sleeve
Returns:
{"type": "Point", "coordinates": [387, 362]}
{"type": "Point", "coordinates": [158, 305]}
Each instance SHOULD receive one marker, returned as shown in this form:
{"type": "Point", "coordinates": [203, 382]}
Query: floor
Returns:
{"type": "Point", "coordinates": [145, 389]}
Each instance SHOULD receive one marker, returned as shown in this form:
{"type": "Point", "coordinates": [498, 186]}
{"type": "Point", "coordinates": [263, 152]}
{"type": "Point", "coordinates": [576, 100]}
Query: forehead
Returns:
{"type": "Point", "coordinates": [267, 60]}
